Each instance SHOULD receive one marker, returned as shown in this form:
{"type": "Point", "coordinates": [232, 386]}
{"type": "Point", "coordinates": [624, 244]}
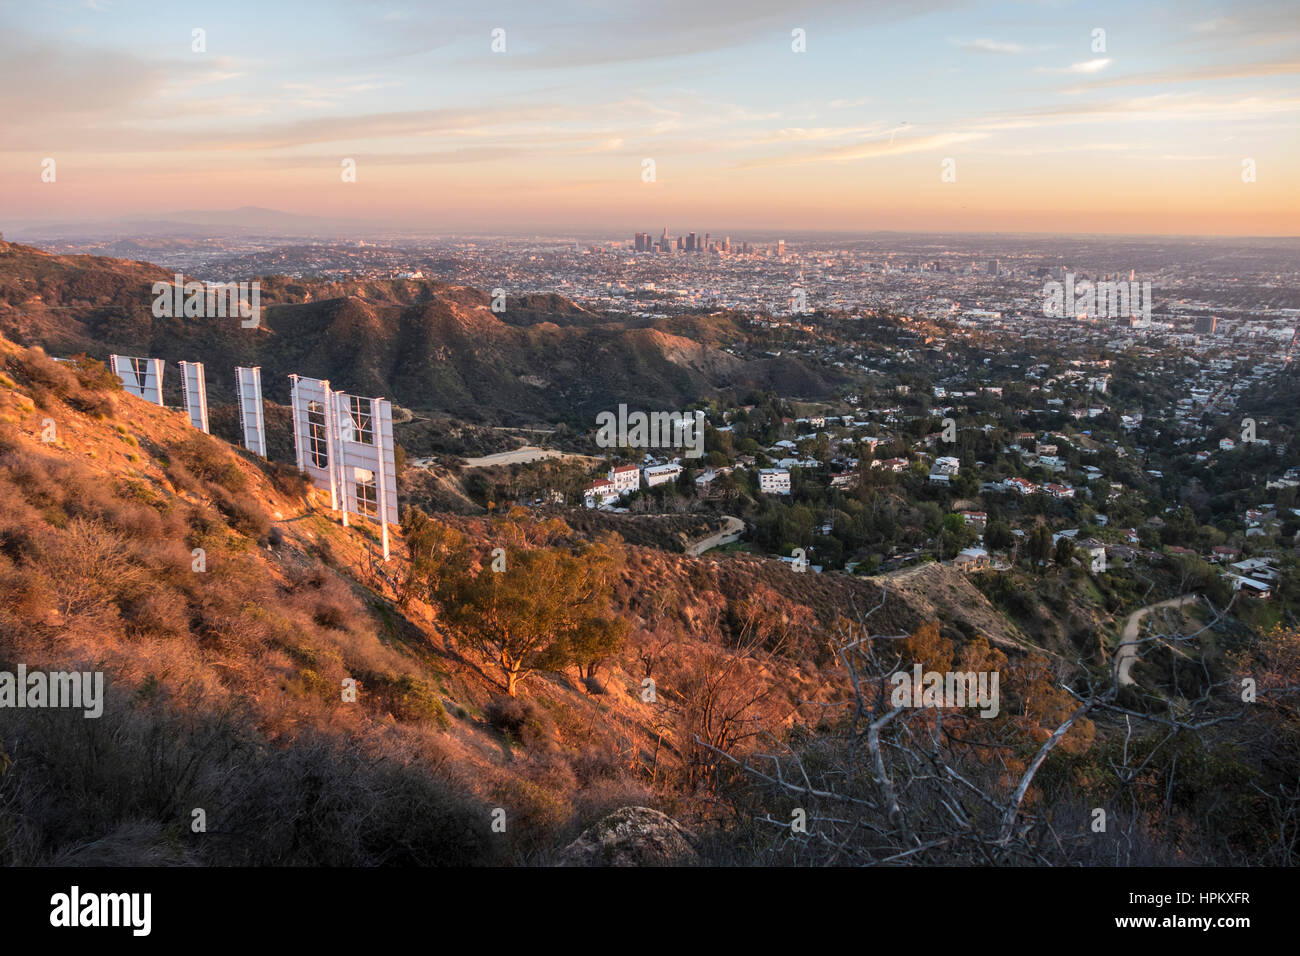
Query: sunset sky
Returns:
{"type": "Point", "coordinates": [1045, 133]}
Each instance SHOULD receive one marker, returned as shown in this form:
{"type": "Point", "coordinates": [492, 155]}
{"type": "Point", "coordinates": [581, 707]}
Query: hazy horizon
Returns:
{"type": "Point", "coordinates": [361, 228]}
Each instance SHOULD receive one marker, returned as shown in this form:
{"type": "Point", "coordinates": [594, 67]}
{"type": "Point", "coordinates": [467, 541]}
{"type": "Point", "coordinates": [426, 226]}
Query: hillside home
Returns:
{"type": "Point", "coordinates": [601, 492]}
{"type": "Point", "coordinates": [1093, 553]}
{"type": "Point", "coordinates": [661, 474]}
{"type": "Point", "coordinates": [625, 478]}
{"type": "Point", "coordinates": [1020, 485]}
{"type": "Point", "coordinates": [774, 481]}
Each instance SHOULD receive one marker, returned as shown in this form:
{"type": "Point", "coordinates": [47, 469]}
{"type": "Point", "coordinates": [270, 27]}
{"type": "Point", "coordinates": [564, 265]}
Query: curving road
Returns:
{"type": "Point", "coordinates": [1126, 653]}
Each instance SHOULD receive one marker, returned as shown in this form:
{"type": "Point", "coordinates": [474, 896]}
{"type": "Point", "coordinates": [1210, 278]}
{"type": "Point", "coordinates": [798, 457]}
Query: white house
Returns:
{"type": "Point", "coordinates": [1251, 586]}
{"type": "Point", "coordinates": [1020, 485]}
{"type": "Point", "coordinates": [1257, 568]}
{"type": "Point", "coordinates": [625, 478]}
{"type": "Point", "coordinates": [774, 481]}
{"type": "Point", "coordinates": [1095, 553]}
{"type": "Point", "coordinates": [661, 474]}
{"type": "Point", "coordinates": [601, 492]}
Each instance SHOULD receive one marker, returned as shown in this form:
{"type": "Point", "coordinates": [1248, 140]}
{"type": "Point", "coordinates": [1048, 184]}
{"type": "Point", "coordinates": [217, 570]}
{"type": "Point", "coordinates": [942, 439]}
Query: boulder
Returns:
{"type": "Point", "coordinates": [631, 836]}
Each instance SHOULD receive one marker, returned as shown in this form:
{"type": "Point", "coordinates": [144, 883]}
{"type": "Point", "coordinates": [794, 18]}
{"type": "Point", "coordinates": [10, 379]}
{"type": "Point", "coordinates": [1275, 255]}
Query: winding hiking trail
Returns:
{"type": "Point", "coordinates": [1126, 653]}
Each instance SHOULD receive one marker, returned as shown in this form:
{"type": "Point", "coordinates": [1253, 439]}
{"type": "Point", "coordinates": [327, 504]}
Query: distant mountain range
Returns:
{"type": "Point", "coordinates": [246, 220]}
{"type": "Point", "coordinates": [426, 345]}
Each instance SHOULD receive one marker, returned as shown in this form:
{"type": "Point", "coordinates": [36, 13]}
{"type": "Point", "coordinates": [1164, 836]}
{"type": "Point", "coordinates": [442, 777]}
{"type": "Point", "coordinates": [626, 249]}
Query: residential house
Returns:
{"type": "Point", "coordinates": [774, 481]}
{"type": "Point", "coordinates": [600, 493]}
{"type": "Point", "coordinates": [1094, 554]}
{"type": "Point", "coordinates": [625, 478]}
{"type": "Point", "coordinates": [661, 474]}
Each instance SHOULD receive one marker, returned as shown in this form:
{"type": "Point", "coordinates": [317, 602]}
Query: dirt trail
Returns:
{"type": "Point", "coordinates": [1126, 653]}
{"type": "Point", "coordinates": [732, 532]}
{"type": "Point", "coordinates": [522, 456]}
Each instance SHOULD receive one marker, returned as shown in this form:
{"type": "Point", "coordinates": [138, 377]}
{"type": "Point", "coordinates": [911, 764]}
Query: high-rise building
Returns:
{"type": "Point", "coordinates": [1206, 324]}
{"type": "Point", "coordinates": [993, 268]}
{"type": "Point", "coordinates": [780, 248]}
{"type": "Point", "coordinates": [726, 244]}
{"type": "Point", "coordinates": [690, 242]}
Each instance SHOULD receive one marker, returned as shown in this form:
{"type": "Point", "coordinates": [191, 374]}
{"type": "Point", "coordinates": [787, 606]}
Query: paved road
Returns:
{"type": "Point", "coordinates": [732, 532]}
{"type": "Point", "coordinates": [1126, 653]}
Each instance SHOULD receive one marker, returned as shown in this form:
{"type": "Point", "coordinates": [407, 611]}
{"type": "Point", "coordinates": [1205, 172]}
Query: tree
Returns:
{"type": "Point", "coordinates": [431, 545]}
{"type": "Point", "coordinates": [1064, 552]}
{"type": "Point", "coordinates": [1040, 544]}
{"type": "Point", "coordinates": [954, 535]}
{"type": "Point", "coordinates": [997, 536]}
{"type": "Point", "coordinates": [547, 609]}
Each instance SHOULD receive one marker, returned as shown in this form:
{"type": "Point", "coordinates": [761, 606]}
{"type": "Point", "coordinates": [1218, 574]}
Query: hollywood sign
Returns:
{"type": "Point", "coordinates": [344, 443]}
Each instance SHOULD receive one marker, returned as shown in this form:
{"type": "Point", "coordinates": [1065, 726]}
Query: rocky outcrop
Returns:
{"type": "Point", "coordinates": [631, 836]}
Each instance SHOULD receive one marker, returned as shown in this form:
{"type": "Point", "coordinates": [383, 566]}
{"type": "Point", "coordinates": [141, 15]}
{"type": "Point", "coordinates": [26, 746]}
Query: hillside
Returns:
{"type": "Point", "coordinates": [316, 706]}
{"type": "Point", "coordinates": [425, 345]}
{"type": "Point", "coordinates": [240, 662]}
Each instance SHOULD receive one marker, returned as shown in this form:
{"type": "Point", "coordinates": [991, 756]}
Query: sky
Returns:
{"type": "Point", "coordinates": [695, 115]}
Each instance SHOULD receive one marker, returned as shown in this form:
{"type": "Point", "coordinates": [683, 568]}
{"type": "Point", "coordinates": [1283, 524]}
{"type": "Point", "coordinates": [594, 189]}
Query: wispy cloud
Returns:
{"type": "Point", "coordinates": [985, 45]}
{"type": "Point", "coordinates": [1086, 66]}
{"type": "Point", "coordinates": [1199, 74]}
{"type": "Point", "coordinates": [873, 149]}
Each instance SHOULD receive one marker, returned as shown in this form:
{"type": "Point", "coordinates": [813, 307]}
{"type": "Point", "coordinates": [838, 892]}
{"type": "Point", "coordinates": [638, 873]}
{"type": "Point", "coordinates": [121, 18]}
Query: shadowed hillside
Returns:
{"type": "Point", "coordinates": [424, 345]}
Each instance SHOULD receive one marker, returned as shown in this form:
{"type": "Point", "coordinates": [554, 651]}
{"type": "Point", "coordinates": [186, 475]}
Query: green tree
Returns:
{"type": "Point", "coordinates": [997, 536]}
{"type": "Point", "coordinates": [1040, 544]}
{"type": "Point", "coordinates": [547, 609]}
